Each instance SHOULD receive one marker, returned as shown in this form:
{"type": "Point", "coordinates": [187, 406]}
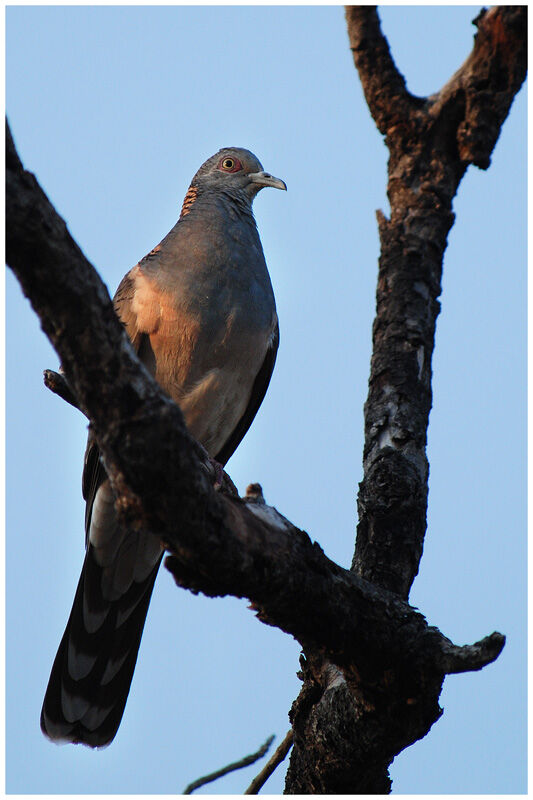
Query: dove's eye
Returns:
{"type": "Point", "coordinates": [230, 164]}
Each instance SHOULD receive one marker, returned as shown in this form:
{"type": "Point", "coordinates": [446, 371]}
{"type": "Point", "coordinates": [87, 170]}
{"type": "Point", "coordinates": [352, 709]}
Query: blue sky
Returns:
{"type": "Point", "coordinates": [114, 109]}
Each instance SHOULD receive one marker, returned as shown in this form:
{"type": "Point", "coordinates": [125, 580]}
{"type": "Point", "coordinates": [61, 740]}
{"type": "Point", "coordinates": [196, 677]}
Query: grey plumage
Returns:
{"type": "Point", "coordinates": [200, 311]}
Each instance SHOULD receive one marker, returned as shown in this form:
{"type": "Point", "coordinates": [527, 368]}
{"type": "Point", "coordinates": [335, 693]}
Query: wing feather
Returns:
{"type": "Point", "coordinates": [256, 398]}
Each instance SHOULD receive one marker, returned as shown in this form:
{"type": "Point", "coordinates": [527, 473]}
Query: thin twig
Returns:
{"type": "Point", "coordinates": [244, 762]}
{"type": "Point", "coordinates": [271, 765]}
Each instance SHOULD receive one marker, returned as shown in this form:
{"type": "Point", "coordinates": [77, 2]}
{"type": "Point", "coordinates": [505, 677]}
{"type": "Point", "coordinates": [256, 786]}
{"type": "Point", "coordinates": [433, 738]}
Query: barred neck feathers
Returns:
{"type": "Point", "coordinates": [238, 201]}
{"type": "Point", "coordinates": [188, 201]}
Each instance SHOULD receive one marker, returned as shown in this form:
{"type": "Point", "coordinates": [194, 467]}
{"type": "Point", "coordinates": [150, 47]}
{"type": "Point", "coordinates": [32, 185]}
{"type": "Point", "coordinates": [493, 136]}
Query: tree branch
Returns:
{"type": "Point", "coordinates": [472, 657]}
{"type": "Point", "coordinates": [429, 153]}
{"type": "Point", "coordinates": [219, 773]}
{"type": "Point", "coordinates": [391, 104]}
{"type": "Point", "coordinates": [484, 88]}
{"type": "Point", "coordinates": [271, 765]}
{"type": "Point", "coordinates": [58, 385]}
{"type": "Point", "coordinates": [431, 142]}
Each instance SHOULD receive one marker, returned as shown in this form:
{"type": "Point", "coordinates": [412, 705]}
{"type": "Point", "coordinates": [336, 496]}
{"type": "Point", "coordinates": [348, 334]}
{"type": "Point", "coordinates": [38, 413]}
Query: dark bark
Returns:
{"type": "Point", "coordinates": [373, 668]}
{"type": "Point", "coordinates": [431, 143]}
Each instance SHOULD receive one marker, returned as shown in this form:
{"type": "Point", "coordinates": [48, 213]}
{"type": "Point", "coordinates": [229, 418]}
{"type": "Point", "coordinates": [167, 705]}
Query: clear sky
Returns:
{"type": "Point", "coordinates": [114, 109]}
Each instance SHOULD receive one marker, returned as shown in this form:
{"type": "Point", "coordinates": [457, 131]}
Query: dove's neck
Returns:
{"type": "Point", "coordinates": [234, 204]}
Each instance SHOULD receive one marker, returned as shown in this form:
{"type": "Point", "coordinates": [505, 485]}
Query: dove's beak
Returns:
{"type": "Point", "coordinates": [266, 179]}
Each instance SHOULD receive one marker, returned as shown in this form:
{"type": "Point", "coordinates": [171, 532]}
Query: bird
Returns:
{"type": "Point", "coordinates": [200, 312]}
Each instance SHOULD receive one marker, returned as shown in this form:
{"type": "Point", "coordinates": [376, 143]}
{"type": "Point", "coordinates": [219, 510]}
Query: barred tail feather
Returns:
{"type": "Point", "coordinates": [93, 668]}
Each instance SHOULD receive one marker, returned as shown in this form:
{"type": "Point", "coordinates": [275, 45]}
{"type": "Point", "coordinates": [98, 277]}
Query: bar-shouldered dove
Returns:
{"type": "Point", "coordinates": [200, 312]}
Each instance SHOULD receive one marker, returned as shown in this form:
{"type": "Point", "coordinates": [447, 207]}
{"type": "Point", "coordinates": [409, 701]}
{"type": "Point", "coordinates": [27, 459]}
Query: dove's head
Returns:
{"type": "Point", "coordinates": [234, 169]}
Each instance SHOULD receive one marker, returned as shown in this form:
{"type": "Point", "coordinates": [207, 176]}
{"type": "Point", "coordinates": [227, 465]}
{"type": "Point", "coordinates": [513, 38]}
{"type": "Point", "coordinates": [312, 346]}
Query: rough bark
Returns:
{"type": "Point", "coordinates": [373, 668]}
{"type": "Point", "coordinates": [431, 142]}
{"type": "Point", "coordinates": [345, 739]}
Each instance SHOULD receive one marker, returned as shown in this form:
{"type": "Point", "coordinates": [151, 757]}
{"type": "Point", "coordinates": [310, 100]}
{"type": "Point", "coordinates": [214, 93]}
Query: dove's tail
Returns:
{"type": "Point", "coordinates": [93, 668]}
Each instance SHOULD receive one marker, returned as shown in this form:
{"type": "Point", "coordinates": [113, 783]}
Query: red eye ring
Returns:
{"type": "Point", "coordinates": [229, 164]}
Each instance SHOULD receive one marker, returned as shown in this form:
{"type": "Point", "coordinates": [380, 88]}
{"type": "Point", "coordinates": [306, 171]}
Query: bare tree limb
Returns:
{"type": "Point", "coordinates": [219, 773]}
{"type": "Point", "coordinates": [383, 84]}
{"type": "Point", "coordinates": [474, 656]}
{"type": "Point", "coordinates": [271, 765]}
{"type": "Point", "coordinates": [430, 149]}
{"type": "Point", "coordinates": [431, 142]}
{"type": "Point", "coordinates": [58, 385]}
{"type": "Point", "coordinates": [483, 89]}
